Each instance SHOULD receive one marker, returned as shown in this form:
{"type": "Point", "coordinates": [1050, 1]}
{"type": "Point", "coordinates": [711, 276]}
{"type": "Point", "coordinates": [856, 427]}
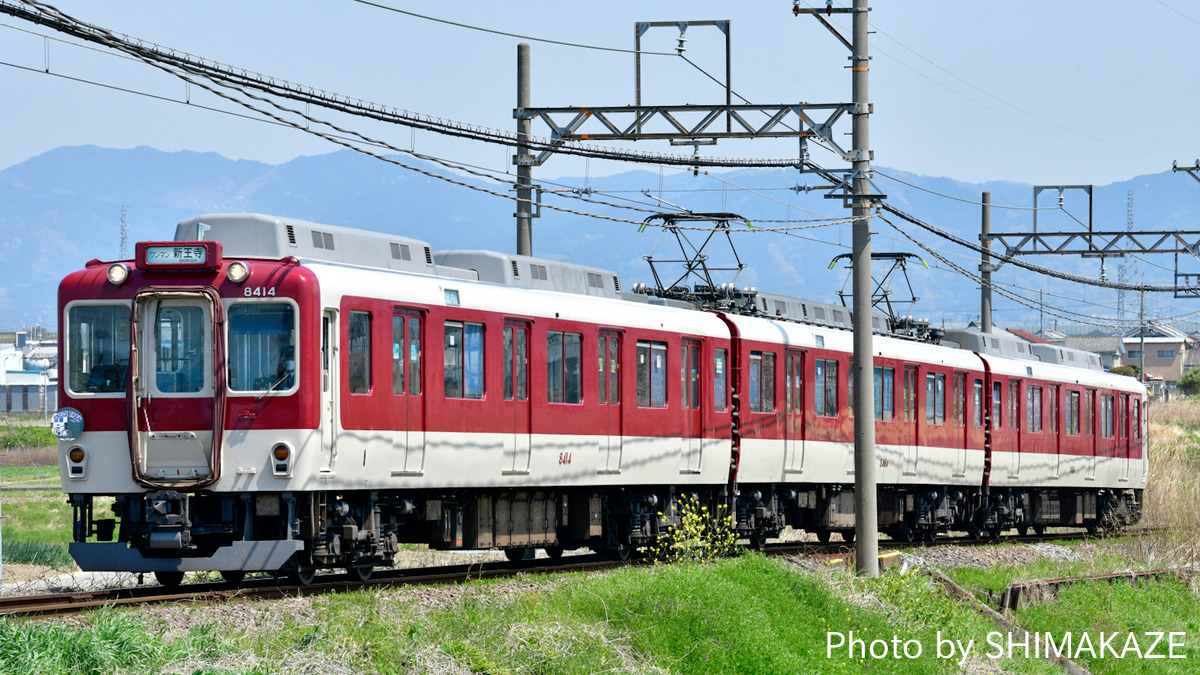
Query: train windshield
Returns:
{"type": "Point", "coordinates": [262, 346]}
{"type": "Point", "coordinates": [180, 350]}
{"type": "Point", "coordinates": [97, 348]}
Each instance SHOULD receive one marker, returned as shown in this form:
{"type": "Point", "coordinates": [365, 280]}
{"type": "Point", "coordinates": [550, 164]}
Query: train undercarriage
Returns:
{"type": "Point", "coordinates": [172, 532]}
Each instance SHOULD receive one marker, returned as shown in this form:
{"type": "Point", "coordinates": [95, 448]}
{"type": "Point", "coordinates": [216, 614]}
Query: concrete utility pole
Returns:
{"type": "Point", "coordinates": [985, 267]}
{"type": "Point", "coordinates": [866, 543]}
{"type": "Point", "coordinates": [523, 158]}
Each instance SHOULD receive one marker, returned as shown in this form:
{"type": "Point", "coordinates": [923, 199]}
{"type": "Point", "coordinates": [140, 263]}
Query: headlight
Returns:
{"type": "Point", "coordinates": [237, 272]}
{"type": "Point", "coordinates": [117, 274]}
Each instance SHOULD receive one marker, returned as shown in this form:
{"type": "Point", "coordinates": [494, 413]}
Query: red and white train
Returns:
{"type": "Point", "coordinates": [271, 394]}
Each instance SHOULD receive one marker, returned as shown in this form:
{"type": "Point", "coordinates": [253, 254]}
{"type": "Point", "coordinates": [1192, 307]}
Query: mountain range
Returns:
{"type": "Point", "coordinates": [62, 208]}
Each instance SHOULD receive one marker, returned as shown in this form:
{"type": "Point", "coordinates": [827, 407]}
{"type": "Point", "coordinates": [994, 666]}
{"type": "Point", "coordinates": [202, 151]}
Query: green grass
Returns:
{"type": "Point", "coordinates": [37, 516]}
{"type": "Point", "coordinates": [746, 615]}
{"type": "Point", "coordinates": [1153, 605]}
{"type": "Point", "coordinates": [29, 475]}
{"type": "Point", "coordinates": [998, 577]}
{"type": "Point", "coordinates": [16, 435]}
{"type": "Point", "coordinates": [47, 554]}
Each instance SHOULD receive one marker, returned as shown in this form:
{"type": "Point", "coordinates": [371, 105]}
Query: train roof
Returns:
{"type": "Point", "coordinates": [253, 235]}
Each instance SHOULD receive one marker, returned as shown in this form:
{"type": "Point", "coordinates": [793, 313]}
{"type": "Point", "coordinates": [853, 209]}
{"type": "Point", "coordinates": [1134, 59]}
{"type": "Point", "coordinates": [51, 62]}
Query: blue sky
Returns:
{"type": "Point", "coordinates": [1063, 92]}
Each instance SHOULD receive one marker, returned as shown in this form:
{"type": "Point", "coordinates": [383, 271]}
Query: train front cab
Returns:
{"type": "Point", "coordinates": [158, 360]}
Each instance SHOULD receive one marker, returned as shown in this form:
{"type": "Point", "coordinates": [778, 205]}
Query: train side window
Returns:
{"type": "Point", "coordinates": [1072, 413]}
{"type": "Point", "coordinates": [1014, 403]}
{"type": "Point", "coordinates": [935, 398]}
{"type": "Point", "coordinates": [978, 404]}
{"type": "Point", "coordinates": [463, 360]}
{"type": "Point", "coordinates": [885, 393]}
{"type": "Point", "coordinates": [689, 375]}
{"type": "Point", "coordinates": [1137, 419]}
{"type": "Point", "coordinates": [1091, 412]}
{"type": "Point", "coordinates": [399, 355]}
{"type": "Point", "coordinates": [997, 404]}
{"type": "Point", "coordinates": [762, 382]}
{"type": "Point", "coordinates": [720, 387]}
{"type": "Point", "coordinates": [564, 367]}
{"type": "Point", "coordinates": [825, 381]}
{"type": "Point", "coordinates": [414, 356]}
{"type": "Point", "coordinates": [651, 374]}
{"type": "Point", "coordinates": [960, 400]}
{"type": "Point", "coordinates": [1033, 409]}
{"type": "Point", "coordinates": [360, 353]}
{"type": "Point", "coordinates": [1106, 417]}
{"type": "Point", "coordinates": [1052, 407]}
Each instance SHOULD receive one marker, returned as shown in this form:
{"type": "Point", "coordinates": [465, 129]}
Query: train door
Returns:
{"type": "Point", "coordinates": [960, 421]}
{"type": "Point", "coordinates": [793, 366]}
{"type": "Point", "coordinates": [1054, 405]}
{"type": "Point", "coordinates": [1126, 437]}
{"type": "Point", "coordinates": [408, 407]}
{"type": "Point", "coordinates": [910, 420]}
{"type": "Point", "coordinates": [516, 394]}
{"type": "Point", "coordinates": [174, 390]}
{"type": "Point", "coordinates": [608, 353]}
{"type": "Point", "coordinates": [329, 387]}
{"type": "Point", "coordinates": [1093, 438]}
{"type": "Point", "coordinates": [1015, 426]}
{"type": "Point", "coordinates": [689, 404]}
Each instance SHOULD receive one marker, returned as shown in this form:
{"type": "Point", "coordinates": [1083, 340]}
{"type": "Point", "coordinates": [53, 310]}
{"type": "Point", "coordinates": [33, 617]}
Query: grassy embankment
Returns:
{"type": "Point", "coordinates": [1172, 501]}
{"type": "Point", "coordinates": [37, 523]}
{"type": "Point", "coordinates": [745, 615]}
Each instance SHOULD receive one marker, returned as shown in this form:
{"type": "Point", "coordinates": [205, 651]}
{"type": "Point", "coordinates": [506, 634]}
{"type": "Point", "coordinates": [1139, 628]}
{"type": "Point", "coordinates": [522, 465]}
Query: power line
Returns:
{"type": "Point", "coordinates": [215, 71]}
{"type": "Point", "coordinates": [505, 34]}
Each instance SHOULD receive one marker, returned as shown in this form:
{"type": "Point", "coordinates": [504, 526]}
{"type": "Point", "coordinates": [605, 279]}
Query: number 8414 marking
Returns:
{"type": "Point", "coordinates": [258, 292]}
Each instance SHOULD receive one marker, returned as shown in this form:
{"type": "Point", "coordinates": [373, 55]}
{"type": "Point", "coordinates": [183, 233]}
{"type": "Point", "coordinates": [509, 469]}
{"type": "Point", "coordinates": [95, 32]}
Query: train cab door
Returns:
{"type": "Point", "coordinates": [1054, 405]}
{"type": "Point", "coordinates": [516, 396]}
{"type": "Point", "coordinates": [909, 403]}
{"type": "Point", "coordinates": [174, 390]}
{"type": "Point", "coordinates": [609, 362]}
{"type": "Point", "coordinates": [329, 388]}
{"type": "Point", "coordinates": [691, 420]}
{"type": "Point", "coordinates": [408, 392]}
{"type": "Point", "coordinates": [793, 367]}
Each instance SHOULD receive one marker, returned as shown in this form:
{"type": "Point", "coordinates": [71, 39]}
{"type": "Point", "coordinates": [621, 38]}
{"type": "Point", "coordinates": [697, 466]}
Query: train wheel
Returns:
{"type": "Point", "coordinates": [823, 536]}
{"type": "Point", "coordinates": [1022, 530]}
{"type": "Point", "coordinates": [303, 575]}
{"type": "Point", "coordinates": [929, 536]}
{"type": "Point", "coordinates": [360, 572]}
{"type": "Point", "coordinates": [848, 536]}
{"type": "Point", "coordinates": [233, 576]}
{"type": "Point", "coordinates": [169, 579]}
{"type": "Point", "coordinates": [1039, 530]}
{"type": "Point", "coordinates": [623, 552]}
{"type": "Point", "coordinates": [758, 541]}
{"type": "Point", "coordinates": [554, 552]}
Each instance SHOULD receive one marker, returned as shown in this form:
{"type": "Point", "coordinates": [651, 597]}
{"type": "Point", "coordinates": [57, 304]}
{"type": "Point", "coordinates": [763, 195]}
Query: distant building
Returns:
{"type": "Point", "coordinates": [28, 375]}
{"type": "Point", "coordinates": [1166, 351]}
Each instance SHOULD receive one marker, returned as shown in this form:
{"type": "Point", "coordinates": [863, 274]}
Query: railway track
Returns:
{"type": "Point", "coordinates": [266, 588]}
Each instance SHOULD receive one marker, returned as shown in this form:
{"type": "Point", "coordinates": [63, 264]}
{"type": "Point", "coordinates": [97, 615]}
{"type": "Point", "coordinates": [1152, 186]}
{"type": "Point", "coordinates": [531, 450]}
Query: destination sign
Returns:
{"type": "Point", "coordinates": [176, 255]}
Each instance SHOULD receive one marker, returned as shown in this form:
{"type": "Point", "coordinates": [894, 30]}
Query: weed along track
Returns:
{"type": "Point", "coordinates": [273, 588]}
{"type": "Point", "coordinates": [281, 587]}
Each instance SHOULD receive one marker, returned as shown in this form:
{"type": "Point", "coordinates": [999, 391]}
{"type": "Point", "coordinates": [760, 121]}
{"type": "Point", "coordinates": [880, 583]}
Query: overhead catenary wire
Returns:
{"type": "Point", "coordinates": [493, 31]}
{"type": "Point", "coordinates": [54, 18]}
